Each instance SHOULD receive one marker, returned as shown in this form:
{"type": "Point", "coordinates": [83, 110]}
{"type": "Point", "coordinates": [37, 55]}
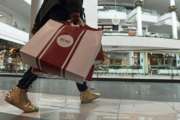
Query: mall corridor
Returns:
{"type": "Point", "coordinates": [138, 75]}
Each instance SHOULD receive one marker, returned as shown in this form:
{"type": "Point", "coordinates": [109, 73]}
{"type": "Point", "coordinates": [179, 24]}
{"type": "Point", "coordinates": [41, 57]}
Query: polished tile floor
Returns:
{"type": "Point", "coordinates": [58, 100]}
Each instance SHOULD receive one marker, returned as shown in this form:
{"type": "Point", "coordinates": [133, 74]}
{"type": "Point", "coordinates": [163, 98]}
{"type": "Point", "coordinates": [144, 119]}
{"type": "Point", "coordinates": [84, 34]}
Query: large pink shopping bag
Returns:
{"type": "Point", "coordinates": [63, 49]}
{"type": "Point", "coordinates": [89, 77]}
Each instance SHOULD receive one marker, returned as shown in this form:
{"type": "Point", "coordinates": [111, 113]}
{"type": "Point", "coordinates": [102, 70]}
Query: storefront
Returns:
{"type": "Point", "coordinates": [10, 60]}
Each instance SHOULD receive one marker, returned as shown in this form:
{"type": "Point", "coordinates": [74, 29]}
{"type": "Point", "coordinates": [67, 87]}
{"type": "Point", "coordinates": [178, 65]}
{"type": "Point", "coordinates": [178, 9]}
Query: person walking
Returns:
{"type": "Point", "coordinates": [58, 10]}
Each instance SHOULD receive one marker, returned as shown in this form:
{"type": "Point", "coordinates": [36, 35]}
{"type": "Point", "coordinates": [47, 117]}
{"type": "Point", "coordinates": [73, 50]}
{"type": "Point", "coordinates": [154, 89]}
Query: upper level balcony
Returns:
{"type": "Point", "coordinates": [12, 34]}
{"type": "Point", "coordinates": [133, 43]}
{"type": "Point", "coordinates": [155, 26]}
{"type": "Point", "coordinates": [115, 40]}
{"type": "Point", "coordinates": [149, 17]}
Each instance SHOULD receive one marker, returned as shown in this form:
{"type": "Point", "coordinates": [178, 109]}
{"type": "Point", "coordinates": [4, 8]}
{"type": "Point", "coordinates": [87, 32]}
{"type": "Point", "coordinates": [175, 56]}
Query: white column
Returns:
{"type": "Point", "coordinates": [35, 5]}
{"type": "Point", "coordinates": [177, 60]}
{"type": "Point", "coordinates": [175, 29]}
{"type": "Point", "coordinates": [91, 11]}
{"type": "Point", "coordinates": [139, 21]}
{"type": "Point", "coordinates": [139, 31]}
{"type": "Point", "coordinates": [131, 58]}
{"type": "Point", "coordinates": [147, 29]}
{"type": "Point", "coordinates": [174, 25]}
{"type": "Point", "coordinates": [174, 21]}
{"type": "Point", "coordinates": [144, 62]}
{"type": "Point", "coordinates": [172, 3]}
{"type": "Point", "coordinates": [143, 56]}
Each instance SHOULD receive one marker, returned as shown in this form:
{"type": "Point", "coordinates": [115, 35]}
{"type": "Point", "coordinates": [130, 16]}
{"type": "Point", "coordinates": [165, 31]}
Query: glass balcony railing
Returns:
{"type": "Point", "coordinates": [151, 12]}
{"type": "Point", "coordinates": [113, 7]}
{"type": "Point", "coordinates": [13, 64]}
{"type": "Point", "coordinates": [137, 70]}
{"type": "Point", "coordinates": [122, 33]}
{"type": "Point", "coordinates": [13, 67]}
{"type": "Point", "coordinates": [108, 69]}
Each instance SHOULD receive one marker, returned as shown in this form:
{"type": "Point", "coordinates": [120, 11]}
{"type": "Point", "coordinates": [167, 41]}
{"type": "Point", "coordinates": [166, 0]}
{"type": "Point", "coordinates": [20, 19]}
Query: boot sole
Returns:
{"type": "Point", "coordinates": [15, 105]}
{"type": "Point", "coordinates": [89, 101]}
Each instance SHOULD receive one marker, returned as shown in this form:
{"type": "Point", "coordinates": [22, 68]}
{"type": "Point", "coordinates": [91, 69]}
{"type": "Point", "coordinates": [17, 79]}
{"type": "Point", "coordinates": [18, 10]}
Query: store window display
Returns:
{"type": "Point", "coordinates": [10, 60]}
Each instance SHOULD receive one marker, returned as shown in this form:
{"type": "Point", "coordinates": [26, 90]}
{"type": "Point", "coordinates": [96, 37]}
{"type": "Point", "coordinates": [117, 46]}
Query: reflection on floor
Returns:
{"type": "Point", "coordinates": [60, 107]}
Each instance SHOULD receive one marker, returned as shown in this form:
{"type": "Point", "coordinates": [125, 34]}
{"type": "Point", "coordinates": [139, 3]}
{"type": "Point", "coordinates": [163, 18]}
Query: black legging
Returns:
{"type": "Point", "coordinates": [28, 78]}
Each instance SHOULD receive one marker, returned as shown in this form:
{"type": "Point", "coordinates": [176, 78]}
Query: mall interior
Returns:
{"type": "Point", "coordinates": [138, 80]}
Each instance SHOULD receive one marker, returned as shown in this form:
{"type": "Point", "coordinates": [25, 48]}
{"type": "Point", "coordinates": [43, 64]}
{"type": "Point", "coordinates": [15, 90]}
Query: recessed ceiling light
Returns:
{"type": "Point", "coordinates": [1, 15]}
{"type": "Point", "coordinates": [28, 1]}
{"type": "Point", "coordinates": [100, 7]}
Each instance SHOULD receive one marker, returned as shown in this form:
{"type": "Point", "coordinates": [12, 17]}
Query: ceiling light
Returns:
{"type": "Point", "coordinates": [28, 1]}
{"type": "Point", "coordinates": [1, 15]}
{"type": "Point", "coordinates": [100, 7]}
{"type": "Point", "coordinates": [172, 2]}
{"type": "Point", "coordinates": [115, 19]}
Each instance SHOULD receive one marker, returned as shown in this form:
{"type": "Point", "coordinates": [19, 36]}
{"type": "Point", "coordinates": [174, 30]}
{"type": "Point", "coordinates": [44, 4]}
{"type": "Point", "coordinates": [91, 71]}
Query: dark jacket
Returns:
{"type": "Point", "coordinates": [59, 10]}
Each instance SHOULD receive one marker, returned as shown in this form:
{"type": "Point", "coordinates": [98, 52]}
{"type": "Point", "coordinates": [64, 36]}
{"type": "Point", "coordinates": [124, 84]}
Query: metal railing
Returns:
{"type": "Point", "coordinates": [137, 70]}
{"type": "Point", "coordinates": [122, 33]}
{"type": "Point", "coordinates": [13, 68]}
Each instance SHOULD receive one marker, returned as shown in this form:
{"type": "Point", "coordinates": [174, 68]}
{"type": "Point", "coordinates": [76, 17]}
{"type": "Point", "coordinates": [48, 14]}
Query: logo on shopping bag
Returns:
{"type": "Point", "coordinates": [65, 41]}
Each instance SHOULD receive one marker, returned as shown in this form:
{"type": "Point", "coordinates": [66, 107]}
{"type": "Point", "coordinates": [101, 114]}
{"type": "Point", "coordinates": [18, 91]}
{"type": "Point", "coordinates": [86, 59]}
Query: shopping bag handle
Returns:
{"type": "Point", "coordinates": [84, 27]}
{"type": "Point", "coordinates": [72, 24]}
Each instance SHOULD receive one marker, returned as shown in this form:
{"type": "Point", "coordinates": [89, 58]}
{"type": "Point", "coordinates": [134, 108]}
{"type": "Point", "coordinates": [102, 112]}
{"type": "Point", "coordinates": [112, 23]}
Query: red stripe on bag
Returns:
{"type": "Point", "coordinates": [69, 55]}
{"type": "Point", "coordinates": [53, 37]}
{"type": "Point", "coordinates": [63, 69]}
{"type": "Point", "coordinates": [90, 74]}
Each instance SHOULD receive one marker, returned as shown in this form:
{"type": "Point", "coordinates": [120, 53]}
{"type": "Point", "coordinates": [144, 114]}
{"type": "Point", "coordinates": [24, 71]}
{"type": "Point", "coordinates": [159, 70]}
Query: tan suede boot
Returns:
{"type": "Point", "coordinates": [18, 98]}
{"type": "Point", "coordinates": [88, 96]}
